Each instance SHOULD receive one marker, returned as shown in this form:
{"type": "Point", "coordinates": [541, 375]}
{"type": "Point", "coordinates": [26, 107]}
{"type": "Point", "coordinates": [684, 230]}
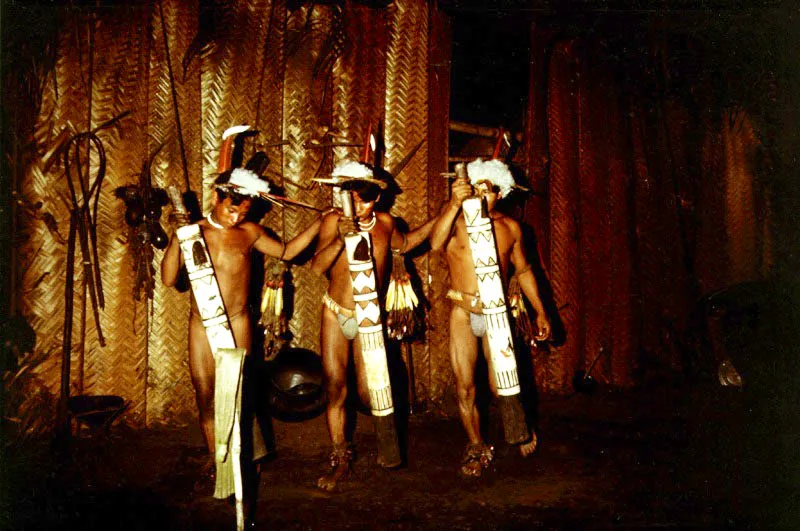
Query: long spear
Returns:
{"type": "Point", "coordinates": [174, 97]}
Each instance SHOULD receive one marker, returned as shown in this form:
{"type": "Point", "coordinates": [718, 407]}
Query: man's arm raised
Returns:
{"type": "Point", "coordinates": [404, 242]}
{"type": "Point", "coordinates": [331, 242]}
{"type": "Point", "coordinates": [266, 244]}
{"type": "Point", "coordinates": [440, 231]}
{"type": "Point", "coordinates": [527, 280]}
{"type": "Point", "coordinates": [287, 251]}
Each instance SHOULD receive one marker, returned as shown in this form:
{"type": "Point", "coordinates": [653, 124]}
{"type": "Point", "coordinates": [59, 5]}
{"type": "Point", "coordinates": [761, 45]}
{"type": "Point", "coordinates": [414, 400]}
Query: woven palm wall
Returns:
{"type": "Point", "coordinates": [84, 90]}
{"type": "Point", "coordinates": [741, 223]}
{"type": "Point", "coordinates": [594, 229]}
{"type": "Point", "coordinates": [536, 208]}
{"type": "Point", "coordinates": [305, 108]}
{"type": "Point", "coordinates": [619, 368]}
{"type": "Point", "coordinates": [554, 372]}
{"type": "Point", "coordinates": [712, 236]}
{"type": "Point", "coordinates": [649, 209]}
{"type": "Point", "coordinates": [436, 377]}
{"type": "Point", "coordinates": [172, 119]}
{"type": "Point", "coordinates": [616, 239]}
{"type": "Point", "coordinates": [359, 78]}
{"type": "Point", "coordinates": [605, 234]}
{"type": "Point", "coordinates": [296, 74]}
{"type": "Point", "coordinates": [406, 127]}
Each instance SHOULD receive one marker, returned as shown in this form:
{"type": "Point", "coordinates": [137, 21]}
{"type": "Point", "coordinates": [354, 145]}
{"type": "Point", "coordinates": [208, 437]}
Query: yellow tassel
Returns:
{"type": "Point", "coordinates": [273, 321]}
{"type": "Point", "coordinates": [390, 295]}
{"type": "Point", "coordinates": [401, 302]}
{"type": "Point", "coordinates": [279, 299]}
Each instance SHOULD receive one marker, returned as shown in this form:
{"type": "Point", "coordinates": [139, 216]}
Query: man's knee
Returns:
{"type": "Point", "coordinates": [204, 393]}
{"type": "Point", "coordinates": [465, 391]}
{"type": "Point", "coordinates": [363, 394]}
{"type": "Point", "coordinates": [337, 391]}
{"type": "Point", "coordinates": [206, 414]}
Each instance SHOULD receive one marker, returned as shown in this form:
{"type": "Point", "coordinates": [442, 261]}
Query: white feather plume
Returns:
{"type": "Point", "coordinates": [495, 171]}
{"type": "Point", "coordinates": [247, 182]}
{"type": "Point", "coordinates": [353, 169]}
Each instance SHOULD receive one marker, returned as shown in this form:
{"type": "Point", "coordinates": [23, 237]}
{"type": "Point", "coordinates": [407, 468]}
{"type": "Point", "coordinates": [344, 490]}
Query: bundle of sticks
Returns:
{"type": "Point", "coordinates": [273, 319]}
{"type": "Point", "coordinates": [401, 305]}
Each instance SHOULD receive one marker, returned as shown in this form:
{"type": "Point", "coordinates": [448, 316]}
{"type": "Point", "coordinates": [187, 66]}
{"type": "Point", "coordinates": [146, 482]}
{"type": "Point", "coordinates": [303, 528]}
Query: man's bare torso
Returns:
{"type": "Point", "coordinates": [340, 288]}
{"type": "Point", "coordinates": [459, 254]}
{"type": "Point", "coordinates": [230, 251]}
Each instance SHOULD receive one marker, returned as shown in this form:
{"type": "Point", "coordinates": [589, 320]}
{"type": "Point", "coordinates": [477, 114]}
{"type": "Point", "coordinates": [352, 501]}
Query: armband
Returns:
{"type": "Point", "coordinates": [402, 248]}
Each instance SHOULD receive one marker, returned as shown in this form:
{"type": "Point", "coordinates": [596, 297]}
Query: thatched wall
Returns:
{"type": "Point", "coordinates": [648, 199]}
{"type": "Point", "coordinates": [289, 71]}
{"type": "Point", "coordinates": [644, 199]}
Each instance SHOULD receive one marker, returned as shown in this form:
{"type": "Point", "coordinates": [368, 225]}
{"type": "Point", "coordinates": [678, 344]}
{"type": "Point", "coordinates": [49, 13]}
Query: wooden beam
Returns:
{"type": "Point", "coordinates": [478, 130]}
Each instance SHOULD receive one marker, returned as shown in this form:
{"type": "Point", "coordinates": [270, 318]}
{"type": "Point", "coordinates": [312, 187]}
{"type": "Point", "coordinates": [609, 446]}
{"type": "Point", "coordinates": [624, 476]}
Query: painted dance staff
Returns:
{"type": "Point", "coordinates": [353, 253]}
{"type": "Point", "coordinates": [479, 245]}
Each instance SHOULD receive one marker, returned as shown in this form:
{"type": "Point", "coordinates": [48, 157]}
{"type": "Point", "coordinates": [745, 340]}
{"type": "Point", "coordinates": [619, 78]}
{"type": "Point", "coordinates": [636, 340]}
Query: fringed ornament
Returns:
{"type": "Point", "coordinates": [273, 318]}
{"type": "Point", "coordinates": [523, 328]}
{"type": "Point", "coordinates": [401, 302]}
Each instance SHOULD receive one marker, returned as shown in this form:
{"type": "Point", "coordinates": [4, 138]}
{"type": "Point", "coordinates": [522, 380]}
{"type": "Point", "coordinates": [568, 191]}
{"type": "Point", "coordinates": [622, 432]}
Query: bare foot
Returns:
{"type": "Point", "coordinates": [329, 481]}
{"type": "Point", "coordinates": [382, 463]}
{"type": "Point", "coordinates": [206, 477]}
{"type": "Point", "coordinates": [526, 449]}
{"type": "Point", "coordinates": [476, 458]}
{"type": "Point", "coordinates": [340, 460]}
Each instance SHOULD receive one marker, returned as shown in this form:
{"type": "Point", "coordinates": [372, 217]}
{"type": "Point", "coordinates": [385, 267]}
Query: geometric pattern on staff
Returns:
{"type": "Point", "coordinates": [227, 386]}
{"type": "Point", "coordinates": [370, 324]}
{"type": "Point", "coordinates": [204, 287]}
{"type": "Point", "coordinates": [227, 392]}
{"type": "Point", "coordinates": [490, 288]}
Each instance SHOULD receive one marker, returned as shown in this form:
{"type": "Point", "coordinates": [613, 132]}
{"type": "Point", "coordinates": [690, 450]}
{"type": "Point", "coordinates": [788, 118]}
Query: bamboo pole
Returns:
{"type": "Point", "coordinates": [479, 130]}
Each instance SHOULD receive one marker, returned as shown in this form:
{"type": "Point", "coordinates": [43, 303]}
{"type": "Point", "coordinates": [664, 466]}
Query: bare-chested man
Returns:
{"type": "Point", "coordinates": [339, 327]}
{"type": "Point", "coordinates": [466, 319]}
{"type": "Point", "coordinates": [230, 240]}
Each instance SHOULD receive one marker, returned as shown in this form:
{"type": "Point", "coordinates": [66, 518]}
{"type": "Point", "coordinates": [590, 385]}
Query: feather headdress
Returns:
{"type": "Point", "coordinates": [495, 171]}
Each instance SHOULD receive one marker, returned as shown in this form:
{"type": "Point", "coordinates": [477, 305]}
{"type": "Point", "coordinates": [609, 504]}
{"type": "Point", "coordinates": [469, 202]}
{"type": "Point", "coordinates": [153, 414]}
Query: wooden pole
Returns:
{"type": "Point", "coordinates": [479, 130]}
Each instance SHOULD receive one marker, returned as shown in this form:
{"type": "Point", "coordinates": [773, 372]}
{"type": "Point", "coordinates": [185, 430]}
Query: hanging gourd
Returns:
{"type": "Point", "coordinates": [143, 208]}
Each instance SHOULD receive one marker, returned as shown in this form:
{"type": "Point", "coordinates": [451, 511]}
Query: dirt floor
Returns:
{"type": "Point", "coordinates": [675, 456]}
